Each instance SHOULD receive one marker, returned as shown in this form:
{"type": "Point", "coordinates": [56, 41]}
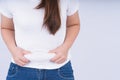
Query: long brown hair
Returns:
{"type": "Point", "coordinates": [52, 18]}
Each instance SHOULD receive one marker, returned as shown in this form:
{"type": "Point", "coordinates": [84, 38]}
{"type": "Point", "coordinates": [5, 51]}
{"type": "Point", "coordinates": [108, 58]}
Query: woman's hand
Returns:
{"type": "Point", "coordinates": [18, 56]}
{"type": "Point", "coordinates": [61, 54]}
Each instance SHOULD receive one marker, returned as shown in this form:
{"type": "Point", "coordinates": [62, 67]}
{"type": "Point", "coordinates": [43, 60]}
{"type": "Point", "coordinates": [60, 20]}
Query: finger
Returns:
{"type": "Point", "coordinates": [58, 60]}
{"type": "Point", "coordinates": [55, 58]}
{"type": "Point", "coordinates": [23, 59]}
{"type": "Point", "coordinates": [52, 51]}
{"type": "Point", "coordinates": [26, 52]}
{"type": "Point", "coordinates": [19, 62]}
{"type": "Point", "coordinates": [61, 60]}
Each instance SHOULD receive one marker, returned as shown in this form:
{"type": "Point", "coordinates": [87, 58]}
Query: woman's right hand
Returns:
{"type": "Point", "coordinates": [18, 56]}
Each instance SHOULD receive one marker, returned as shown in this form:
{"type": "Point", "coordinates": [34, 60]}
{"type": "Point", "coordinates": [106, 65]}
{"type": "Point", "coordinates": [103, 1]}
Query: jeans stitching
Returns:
{"type": "Point", "coordinates": [62, 76]}
{"type": "Point", "coordinates": [16, 70]}
{"type": "Point", "coordinates": [44, 74]}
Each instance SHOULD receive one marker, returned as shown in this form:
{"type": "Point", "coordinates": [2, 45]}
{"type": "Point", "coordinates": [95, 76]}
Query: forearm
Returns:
{"type": "Point", "coordinates": [9, 38]}
{"type": "Point", "coordinates": [71, 34]}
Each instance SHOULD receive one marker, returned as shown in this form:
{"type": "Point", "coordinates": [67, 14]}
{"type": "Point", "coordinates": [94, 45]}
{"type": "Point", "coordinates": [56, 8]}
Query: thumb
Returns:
{"type": "Point", "coordinates": [52, 51]}
{"type": "Point", "coordinates": [26, 52]}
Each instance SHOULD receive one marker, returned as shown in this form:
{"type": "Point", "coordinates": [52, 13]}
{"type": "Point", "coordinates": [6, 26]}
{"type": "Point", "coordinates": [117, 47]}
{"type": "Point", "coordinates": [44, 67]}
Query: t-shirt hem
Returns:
{"type": "Point", "coordinates": [48, 65]}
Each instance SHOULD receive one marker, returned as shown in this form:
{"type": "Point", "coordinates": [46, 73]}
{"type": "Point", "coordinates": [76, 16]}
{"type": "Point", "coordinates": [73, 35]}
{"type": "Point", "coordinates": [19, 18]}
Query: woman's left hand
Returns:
{"type": "Point", "coordinates": [61, 54]}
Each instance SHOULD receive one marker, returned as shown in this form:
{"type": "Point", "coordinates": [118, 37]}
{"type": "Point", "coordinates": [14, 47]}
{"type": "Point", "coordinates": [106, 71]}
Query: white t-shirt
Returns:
{"type": "Point", "coordinates": [29, 33]}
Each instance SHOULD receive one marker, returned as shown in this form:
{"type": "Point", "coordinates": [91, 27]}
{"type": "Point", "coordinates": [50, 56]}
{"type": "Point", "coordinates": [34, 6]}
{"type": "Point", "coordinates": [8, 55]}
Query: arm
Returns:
{"type": "Point", "coordinates": [7, 32]}
{"type": "Point", "coordinates": [73, 27]}
{"type": "Point", "coordinates": [8, 35]}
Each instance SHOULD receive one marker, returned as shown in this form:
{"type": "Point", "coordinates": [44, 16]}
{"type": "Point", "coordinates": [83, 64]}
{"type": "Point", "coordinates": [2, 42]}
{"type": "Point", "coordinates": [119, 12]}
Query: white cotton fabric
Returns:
{"type": "Point", "coordinates": [29, 33]}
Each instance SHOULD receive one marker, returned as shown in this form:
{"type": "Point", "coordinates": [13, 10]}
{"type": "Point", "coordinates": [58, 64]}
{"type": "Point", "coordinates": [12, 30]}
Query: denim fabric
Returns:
{"type": "Point", "coordinates": [17, 72]}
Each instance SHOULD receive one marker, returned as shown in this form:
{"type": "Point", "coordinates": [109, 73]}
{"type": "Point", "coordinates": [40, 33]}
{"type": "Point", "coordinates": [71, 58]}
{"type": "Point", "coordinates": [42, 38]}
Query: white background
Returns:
{"type": "Point", "coordinates": [96, 51]}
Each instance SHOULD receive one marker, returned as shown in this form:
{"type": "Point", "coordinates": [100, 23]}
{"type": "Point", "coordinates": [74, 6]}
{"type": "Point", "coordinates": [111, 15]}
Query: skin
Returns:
{"type": "Point", "coordinates": [8, 35]}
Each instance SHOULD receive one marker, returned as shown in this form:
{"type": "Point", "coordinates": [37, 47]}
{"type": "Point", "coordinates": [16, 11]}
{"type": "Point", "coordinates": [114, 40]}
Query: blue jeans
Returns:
{"type": "Point", "coordinates": [17, 72]}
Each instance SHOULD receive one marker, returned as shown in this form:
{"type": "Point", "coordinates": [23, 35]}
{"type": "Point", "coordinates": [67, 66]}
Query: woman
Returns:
{"type": "Point", "coordinates": [39, 34]}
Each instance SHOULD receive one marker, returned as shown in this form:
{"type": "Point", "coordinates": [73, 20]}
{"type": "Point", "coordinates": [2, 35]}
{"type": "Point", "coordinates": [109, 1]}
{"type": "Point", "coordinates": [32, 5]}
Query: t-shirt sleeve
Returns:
{"type": "Point", "coordinates": [4, 10]}
{"type": "Point", "coordinates": [72, 7]}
